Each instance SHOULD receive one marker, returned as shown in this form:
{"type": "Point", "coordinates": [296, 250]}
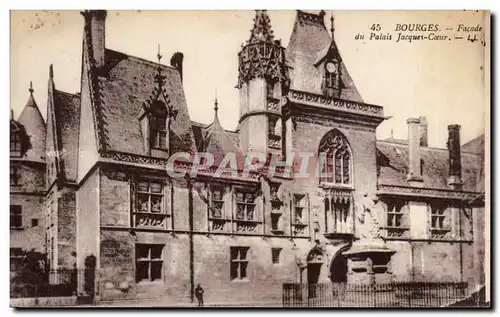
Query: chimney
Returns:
{"type": "Point", "coordinates": [95, 25]}
{"type": "Point", "coordinates": [424, 142]}
{"type": "Point", "coordinates": [414, 176]}
{"type": "Point", "coordinates": [176, 62]}
{"type": "Point", "coordinates": [455, 159]}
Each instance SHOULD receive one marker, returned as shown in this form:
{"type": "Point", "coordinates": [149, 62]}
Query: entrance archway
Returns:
{"type": "Point", "coordinates": [338, 269]}
{"type": "Point", "coordinates": [315, 260]}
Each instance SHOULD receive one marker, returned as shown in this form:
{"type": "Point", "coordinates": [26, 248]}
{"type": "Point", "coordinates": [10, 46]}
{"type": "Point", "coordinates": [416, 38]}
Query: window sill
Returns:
{"type": "Point", "coordinates": [245, 280]}
{"type": "Point", "coordinates": [335, 185]}
{"type": "Point", "coordinates": [143, 282]}
{"type": "Point", "coordinates": [277, 232]}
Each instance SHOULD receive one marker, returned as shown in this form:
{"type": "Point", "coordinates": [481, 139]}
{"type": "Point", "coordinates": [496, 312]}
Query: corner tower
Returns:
{"type": "Point", "coordinates": [262, 81]}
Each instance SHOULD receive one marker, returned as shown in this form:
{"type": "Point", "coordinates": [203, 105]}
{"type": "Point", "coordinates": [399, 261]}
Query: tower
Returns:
{"type": "Point", "coordinates": [262, 81]}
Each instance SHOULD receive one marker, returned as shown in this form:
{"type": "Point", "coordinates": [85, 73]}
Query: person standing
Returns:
{"type": "Point", "coordinates": [198, 292]}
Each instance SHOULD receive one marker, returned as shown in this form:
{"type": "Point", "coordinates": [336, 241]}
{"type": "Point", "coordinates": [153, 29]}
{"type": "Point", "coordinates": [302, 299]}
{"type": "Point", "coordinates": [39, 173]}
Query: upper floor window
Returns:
{"type": "Point", "coordinates": [245, 206]}
{"type": "Point", "coordinates": [16, 217]}
{"type": "Point", "coordinates": [15, 175]}
{"type": "Point", "coordinates": [396, 214]}
{"type": "Point", "coordinates": [335, 158]}
{"type": "Point", "coordinates": [149, 208]}
{"type": "Point", "coordinates": [438, 217]}
{"type": "Point", "coordinates": [15, 143]}
{"type": "Point", "coordinates": [217, 202]}
{"type": "Point", "coordinates": [440, 224]}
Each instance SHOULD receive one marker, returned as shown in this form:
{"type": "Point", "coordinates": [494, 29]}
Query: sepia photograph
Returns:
{"type": "Point", "coordinates": [252, 158]}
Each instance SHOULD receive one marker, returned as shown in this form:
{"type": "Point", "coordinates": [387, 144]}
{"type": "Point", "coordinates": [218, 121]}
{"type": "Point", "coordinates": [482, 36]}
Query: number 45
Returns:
{"type": "Point", "coordinates": [375, 27]}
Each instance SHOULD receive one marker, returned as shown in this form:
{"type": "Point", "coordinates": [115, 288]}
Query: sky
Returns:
{"type": "Point", "coordinates": [444, 81]}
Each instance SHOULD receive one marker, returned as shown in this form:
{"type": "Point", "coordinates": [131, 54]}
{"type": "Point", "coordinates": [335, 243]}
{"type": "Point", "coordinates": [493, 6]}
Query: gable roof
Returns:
{"type": "Point", "coordinates": [475, 145]}
{"type": "Point", "coordinates": [309, 43]}
{"type": "Point", "coordinates": [392, 165]}
{"type": "Point", "coordinates": [67, 121]}
{"type": "Point", "coordinates": [125, 84]}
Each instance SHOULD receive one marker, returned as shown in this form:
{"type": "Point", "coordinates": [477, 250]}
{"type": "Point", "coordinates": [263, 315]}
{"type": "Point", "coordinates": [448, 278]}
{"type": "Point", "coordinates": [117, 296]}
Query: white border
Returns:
{"type": "Point", "coordinates": [191, 4]}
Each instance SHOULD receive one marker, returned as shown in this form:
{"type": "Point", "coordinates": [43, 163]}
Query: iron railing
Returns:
{"type": "Point", "coordinates": [398, 294]}
{"type": "Point", "coordinates": [53, 283]}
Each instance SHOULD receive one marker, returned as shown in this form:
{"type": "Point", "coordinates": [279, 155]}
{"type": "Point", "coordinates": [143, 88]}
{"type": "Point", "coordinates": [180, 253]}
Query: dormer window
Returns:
{"type": "Point", "coordinates": [332, 78]}
{"type": "Point", "coordinates": [15, 143]}
{"type": "Point", "coordinates": [158, 133]}
{"type": "Point", "coordinates": [158, 126]}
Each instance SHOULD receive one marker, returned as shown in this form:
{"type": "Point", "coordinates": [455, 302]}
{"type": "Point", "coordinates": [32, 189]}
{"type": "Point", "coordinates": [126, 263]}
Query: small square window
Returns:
{"type": "Point", "coordinates": [276, 255]}
{"type": "Point", "coordinates": [34, 222]}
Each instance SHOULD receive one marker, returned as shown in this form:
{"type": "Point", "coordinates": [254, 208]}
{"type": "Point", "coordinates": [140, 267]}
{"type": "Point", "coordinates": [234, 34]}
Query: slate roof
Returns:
{"type": "Point", "coordinates": [218, 142]}
{"type": "Point", "coordinates": [392, 162]}
{"type": "Point", "coordinates": [198, 134]}
{"type": "Point", "coordinates": [308, 41]}
{"type": "Point", "coordinates": [34, 125]}
{"type": "Point", "coordinates": [125, 83]}
{"type": "Point", "coordinates": [67, 116]}
{"type": "Point", "coordinates": [475, 145]}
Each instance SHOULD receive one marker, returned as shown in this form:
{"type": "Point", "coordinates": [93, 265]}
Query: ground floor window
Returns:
{"type": "Point", "coordinates": [239, 263]}
{"type": "Point", "coordinates": [149, 262]}
{"type": "Point", "coordinates": [16, 258]}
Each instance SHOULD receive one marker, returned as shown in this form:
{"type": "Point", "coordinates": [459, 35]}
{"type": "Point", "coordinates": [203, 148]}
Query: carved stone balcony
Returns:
{"type": "Point", "coordinates": [335, 103]}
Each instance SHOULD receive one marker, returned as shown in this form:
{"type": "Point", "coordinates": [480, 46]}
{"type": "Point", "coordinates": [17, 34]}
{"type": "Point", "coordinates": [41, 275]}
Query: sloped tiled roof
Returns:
{"type": "Point", "coordinates": [67, 116]}
{"type": "Point", "coordinates": [217, 142]}
{"type": "Point", "coordinates": [475, 145]}
{"type": "Point", "coordinates": [32, 121]}
{"type": "Point", "coordinates": [198, 134]}
{"type": "Point", "coordinates": [308, 41]}
{"type": "Point", "coordinates": [392, 161]}
{"type": "Point", "coordinates": [124, 85]}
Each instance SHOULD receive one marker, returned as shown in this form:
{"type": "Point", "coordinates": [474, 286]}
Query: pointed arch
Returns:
{"type": "Point", "coordinates": [336, 159]}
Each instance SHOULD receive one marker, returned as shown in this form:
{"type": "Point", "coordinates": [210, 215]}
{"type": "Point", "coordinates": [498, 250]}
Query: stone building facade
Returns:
{"type": "Point", "coordinates": [382, 210]}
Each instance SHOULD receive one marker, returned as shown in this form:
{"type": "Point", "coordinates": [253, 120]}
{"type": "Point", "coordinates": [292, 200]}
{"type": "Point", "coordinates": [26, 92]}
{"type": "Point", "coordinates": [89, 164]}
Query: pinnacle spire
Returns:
{"type": "Point", "coordinates": [261, 31]}
{"type": "Point", "coordinates": [332, 27]}
{"type": "Point", "coordinates": [216, 103]}
{"type": "Point", "coordinates": [31, 88]}
{"type": "Point", "coordinates": [51, 71]}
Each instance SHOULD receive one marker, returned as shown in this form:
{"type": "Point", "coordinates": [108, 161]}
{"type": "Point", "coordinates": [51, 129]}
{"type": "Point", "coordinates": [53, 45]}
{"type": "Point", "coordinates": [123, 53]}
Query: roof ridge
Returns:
{"type": "Point", "coordinates": [67, 93]}
{"type": "Point", "coordinates": [431, 148]}
{"type": "Point", "coordinates": [143, 60]}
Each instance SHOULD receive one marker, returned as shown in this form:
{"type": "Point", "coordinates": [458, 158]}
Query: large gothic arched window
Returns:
{"type": "Point", "coordinates": [335, 159]}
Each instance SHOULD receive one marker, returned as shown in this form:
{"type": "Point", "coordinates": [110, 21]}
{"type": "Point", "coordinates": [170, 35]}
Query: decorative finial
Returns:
{"type": "Point", "coordinates": [159, 55]}
{"type": "Point", "coordinates": [392, 134]}
{"type": "Point", "coordinates": [31, 88]}
{"type": "Point", "coordinates": [12, 114]}
{"type": "Point", "coordinates": [332, 28]}
{"type": "Point", "coordinates": [216, 103]}
{"type": "Point", "coordinates": [51, 71]}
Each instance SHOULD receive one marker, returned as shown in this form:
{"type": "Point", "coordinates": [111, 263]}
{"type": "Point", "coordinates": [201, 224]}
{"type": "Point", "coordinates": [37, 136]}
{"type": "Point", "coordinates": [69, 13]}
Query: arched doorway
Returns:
{"type": "Point", "coordinates": [315, 260]}
{"type": "Point", "coordinates": [338, 269]}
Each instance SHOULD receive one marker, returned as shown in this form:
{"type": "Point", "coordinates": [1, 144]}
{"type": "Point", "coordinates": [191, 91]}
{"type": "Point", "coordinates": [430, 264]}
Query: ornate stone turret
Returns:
{"type": "Point", "coordinates": [262, 81]}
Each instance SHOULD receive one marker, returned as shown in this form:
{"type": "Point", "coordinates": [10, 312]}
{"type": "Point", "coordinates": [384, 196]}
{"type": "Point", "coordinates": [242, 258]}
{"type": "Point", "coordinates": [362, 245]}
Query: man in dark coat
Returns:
{"type": "Point", "coordinates": [198, 292]}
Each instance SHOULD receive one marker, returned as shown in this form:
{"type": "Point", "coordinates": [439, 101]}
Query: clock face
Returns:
{"type": "Point", "coordinates": [331, 67]}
